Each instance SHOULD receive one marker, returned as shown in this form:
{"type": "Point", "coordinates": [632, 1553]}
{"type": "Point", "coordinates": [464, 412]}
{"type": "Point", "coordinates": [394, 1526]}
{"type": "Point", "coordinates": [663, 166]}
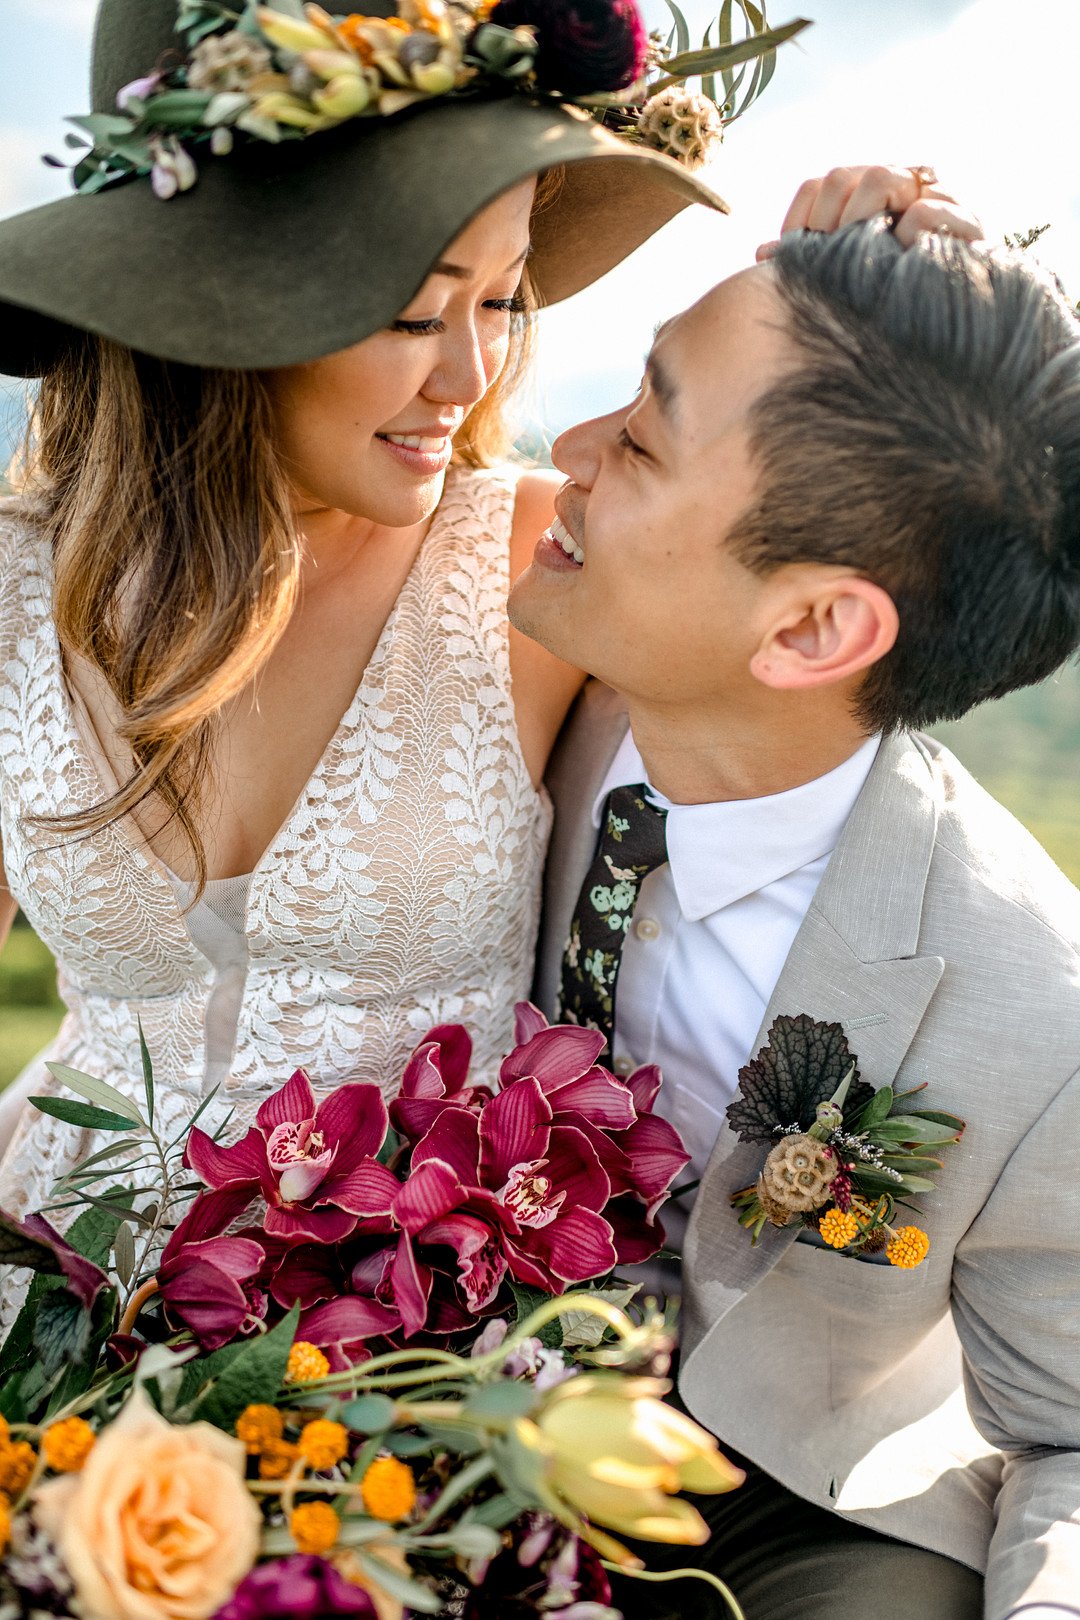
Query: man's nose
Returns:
{"type": "Point", "coordinates": [579, 451]}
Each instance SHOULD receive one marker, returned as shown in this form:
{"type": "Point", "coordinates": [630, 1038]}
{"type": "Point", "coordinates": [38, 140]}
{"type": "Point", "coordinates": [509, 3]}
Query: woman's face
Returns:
{"type": "Point", "coordinates": [369, 430]}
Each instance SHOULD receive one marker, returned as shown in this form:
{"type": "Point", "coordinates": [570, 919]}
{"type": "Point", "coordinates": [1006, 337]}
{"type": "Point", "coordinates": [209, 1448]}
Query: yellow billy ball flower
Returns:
{"type": "Point", "coordinates": [277, 1459]}
{"type": "Point", "coordinates": [838, 1229]}
{"type": "Point", "coordinates": [258, 1426]}
{"type": "Point", "coordinates": [388, 1489]}
{"type": "Point", "coordinates": [314, 1526]}
{"type": "Point", "coordinates": [5, 1523]}
{"type": "Point", "coordinates": [17, 1459]}
{"type": "Point", "coordinates": [617, 1454]}
{"type": "Point", "coordinates": [908, 1247]}
{"type": "Point", "coordinates": [67, 1444]}
{"type": "Point", "coordinates": [323, 1443]}
{"type": "Point", "coordinates": [306, 1363]}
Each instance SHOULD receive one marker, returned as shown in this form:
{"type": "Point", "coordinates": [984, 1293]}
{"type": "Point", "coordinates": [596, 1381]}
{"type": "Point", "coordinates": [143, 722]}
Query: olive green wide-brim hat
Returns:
{"type": "Point", "coordinates": [280, 254]}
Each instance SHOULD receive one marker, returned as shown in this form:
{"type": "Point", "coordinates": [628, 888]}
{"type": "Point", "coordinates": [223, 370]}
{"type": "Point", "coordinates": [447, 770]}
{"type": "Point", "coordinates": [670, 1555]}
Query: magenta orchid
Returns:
{"type": "Point", "coordinates": [208, 1281]}
{"type": "Point", "coordinates": [303, 1157]}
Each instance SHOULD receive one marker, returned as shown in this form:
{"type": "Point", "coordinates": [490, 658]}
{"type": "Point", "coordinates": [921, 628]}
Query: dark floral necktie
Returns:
{"type": "Point", "coordinates": [632, 844]}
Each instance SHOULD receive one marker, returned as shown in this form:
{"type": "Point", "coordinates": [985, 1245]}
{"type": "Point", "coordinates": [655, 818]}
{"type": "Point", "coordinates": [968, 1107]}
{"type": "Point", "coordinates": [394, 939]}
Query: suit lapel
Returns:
{"type": "Point", "coordinates": [588, 744]}
{"type": "Point", "coordinates": [855, 962]}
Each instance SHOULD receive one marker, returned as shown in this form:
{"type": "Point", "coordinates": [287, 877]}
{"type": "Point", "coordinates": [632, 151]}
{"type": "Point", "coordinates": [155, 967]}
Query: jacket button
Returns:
{"type": "Point", "coordinates": [647, 928]}
{"type": "Point", "coordinates": [623, 1065]}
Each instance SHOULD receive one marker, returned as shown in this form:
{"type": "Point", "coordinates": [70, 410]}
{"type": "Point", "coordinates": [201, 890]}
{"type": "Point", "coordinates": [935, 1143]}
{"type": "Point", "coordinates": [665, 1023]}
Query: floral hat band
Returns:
{"type": "Point", "coordinates": [285, 71]}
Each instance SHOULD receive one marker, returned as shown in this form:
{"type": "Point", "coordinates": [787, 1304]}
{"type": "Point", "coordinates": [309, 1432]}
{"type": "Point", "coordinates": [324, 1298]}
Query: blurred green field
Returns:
{"type": "Point", "coordinates": [1024, 750]}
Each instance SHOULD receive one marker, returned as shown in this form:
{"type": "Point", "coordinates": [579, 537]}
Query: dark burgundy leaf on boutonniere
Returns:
{"type": "Point", "coordinates": [800, 1066]}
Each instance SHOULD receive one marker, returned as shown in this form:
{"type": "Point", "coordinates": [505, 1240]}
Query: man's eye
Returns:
{"type": "Point", "coordinates": [627, 443]}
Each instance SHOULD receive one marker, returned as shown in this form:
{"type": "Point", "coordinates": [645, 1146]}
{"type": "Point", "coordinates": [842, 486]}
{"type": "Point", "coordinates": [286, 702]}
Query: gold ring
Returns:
{"type": "Point", "coordinates": [923, 174]}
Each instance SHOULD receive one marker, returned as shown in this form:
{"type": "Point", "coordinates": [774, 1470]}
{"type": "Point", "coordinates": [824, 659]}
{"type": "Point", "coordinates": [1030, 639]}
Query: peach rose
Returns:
{"type": "Point", "coordinates": [159, 1525]}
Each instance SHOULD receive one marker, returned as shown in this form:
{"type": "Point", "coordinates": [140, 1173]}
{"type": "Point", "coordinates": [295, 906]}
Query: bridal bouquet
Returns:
{"type": "Point", "coordinates": [357, 1374]}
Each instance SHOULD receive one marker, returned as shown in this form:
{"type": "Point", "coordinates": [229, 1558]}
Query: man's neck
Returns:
{"type": "Point", "coordinates": [710, 757]}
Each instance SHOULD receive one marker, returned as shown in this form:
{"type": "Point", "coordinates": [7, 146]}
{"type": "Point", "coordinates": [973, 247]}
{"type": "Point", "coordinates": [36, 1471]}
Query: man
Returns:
{"type": "Point", "coordinates": [844, 505]}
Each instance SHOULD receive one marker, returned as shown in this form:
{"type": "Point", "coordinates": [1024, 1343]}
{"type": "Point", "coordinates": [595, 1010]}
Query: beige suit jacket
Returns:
{"type": "Point", "coordinates": [941, 1405]}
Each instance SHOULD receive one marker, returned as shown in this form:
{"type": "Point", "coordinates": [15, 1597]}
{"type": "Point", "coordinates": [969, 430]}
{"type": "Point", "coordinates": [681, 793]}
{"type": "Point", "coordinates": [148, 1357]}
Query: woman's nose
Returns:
{"type": "Point", "coordinates": [464, 373]}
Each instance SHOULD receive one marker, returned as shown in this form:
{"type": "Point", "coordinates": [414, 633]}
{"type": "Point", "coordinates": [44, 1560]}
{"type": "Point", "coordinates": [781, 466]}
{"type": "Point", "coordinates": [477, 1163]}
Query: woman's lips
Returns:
{"type": "Point", "coordinates": [418, 453]}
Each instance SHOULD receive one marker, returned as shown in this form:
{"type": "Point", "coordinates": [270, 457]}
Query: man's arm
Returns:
{"type": "Point", "coordinates": [1016, 1301]}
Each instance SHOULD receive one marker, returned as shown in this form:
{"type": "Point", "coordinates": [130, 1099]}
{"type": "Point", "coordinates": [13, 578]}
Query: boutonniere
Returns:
{"type": "Point", "coordinates": [843, 1157]}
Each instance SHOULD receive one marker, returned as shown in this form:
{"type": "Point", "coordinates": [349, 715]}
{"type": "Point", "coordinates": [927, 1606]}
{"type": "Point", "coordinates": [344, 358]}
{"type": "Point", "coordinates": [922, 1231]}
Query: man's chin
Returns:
{"type": "Point", "coordinates": [534, 610]}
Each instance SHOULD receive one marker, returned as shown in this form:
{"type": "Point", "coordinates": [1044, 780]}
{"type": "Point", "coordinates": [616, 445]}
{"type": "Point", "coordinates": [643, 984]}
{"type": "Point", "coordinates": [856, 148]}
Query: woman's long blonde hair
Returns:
{"type": "Point", "coordinates": [175, 545]}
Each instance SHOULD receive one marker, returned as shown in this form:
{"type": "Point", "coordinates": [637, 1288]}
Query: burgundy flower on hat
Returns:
{"type": "Point", "coordinates": [208, 1281]}
{"type": "Point", "coordinates": [303, 1157]}
{"type": "Point", "coordinates": [583, 46]}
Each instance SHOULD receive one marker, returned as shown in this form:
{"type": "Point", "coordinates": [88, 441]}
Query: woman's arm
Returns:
{"type": "Point", "coordinates": [8, 903]}
{"type": "Point", "coordinates": [544, 687]}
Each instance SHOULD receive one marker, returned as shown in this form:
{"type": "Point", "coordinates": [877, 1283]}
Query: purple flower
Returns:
{"type": "Point", "coordinates": [208, 1282]}
{"type": "Point", "coordinates": [140, 89]}
{"type": "Point", "coordinates": [296, 1588]}
{"type": "Point", "coordinates": [435, 1079]}
{"type": "Point", "coordinates": [307, 1160]}
{"type": "Point", "coordinates": [583, 46]}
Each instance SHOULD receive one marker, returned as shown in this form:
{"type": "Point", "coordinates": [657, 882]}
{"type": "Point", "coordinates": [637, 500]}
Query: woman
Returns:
{"type": "Point", "coordinates": [270, 758]}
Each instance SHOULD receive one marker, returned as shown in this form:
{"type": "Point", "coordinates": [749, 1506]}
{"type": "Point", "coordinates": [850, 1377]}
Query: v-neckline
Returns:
{"type": "Point", "coordinates": [136, 844]}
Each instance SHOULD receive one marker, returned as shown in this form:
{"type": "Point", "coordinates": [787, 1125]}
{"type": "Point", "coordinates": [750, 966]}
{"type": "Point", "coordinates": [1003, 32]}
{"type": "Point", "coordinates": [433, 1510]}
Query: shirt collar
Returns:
{"type": "Point", "coordinates": [720, 853]}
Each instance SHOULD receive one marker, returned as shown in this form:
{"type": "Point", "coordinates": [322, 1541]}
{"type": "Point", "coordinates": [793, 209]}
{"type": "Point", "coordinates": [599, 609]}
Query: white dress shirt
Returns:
{"type": "Point", "coordinates": [710, 934]}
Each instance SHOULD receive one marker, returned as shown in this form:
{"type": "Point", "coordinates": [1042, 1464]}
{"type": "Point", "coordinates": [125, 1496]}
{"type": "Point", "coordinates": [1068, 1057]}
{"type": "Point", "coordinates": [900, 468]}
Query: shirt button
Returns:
{"type": "Point", "coordinates": [624, 1065]}
{"type": "Point", "coordinates": [647, 928]}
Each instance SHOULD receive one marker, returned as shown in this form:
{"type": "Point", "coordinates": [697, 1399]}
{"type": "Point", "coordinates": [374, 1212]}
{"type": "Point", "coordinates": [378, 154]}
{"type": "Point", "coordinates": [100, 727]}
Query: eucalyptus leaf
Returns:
{"type": "Point", "coordinates": [692, 64]}
{"type": "Point", "coordinates": [910, 1128]}
{"type": "Point", "coordinates": [147, 1074]}
{"type": "Point", "coordinates": [406, 1445]}
{"type": "Point", "coordinates": [499, 1401]}
{"type": "Point", "coordinates": [176, 109]}
{"type": "Point", "coordinates": [105, 127]}
{"type": "Point", "coordinates": [96, 1091]}
{"type": "Point", "coordinates": [682, 30]}
{"type": "Point", "coordinates": [498, 1511]}
{"type": "Point", "coordinates": [82, 1114]}
{"type": "Point", "coordinates": [368, 1414]}
{"type": "Point", "coordinates": [407, 1591]}
{"type": "Point", "coordinates": [876, 1109]}
{"type": "Point", "coordinates": [124, 1253]}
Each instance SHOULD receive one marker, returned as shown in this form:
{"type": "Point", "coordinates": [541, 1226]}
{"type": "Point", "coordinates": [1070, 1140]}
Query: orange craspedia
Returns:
{"type": "Point", "coordinates": [277, 1459]}
{"type": "Point", "coordinates": [323, 1443]}
{"type": "Point", "coordinates": [257, 1426]}
{"type": "Point", "coordinates": [314, 1526]}
{"type": "Point", "coordinates": [67, 1444]}
{"type": "Point", "coordinates": [5, 1523]}
{"type": "Point", "coordinates": [908, 1247]}
{"type": "Point", "coordinates": [17, 1460]}
{"type": "Point", "coordinates": [306, 1363]}
{"type": "Point", "coordinates": [388, 1489]}
{"type": "Point", "coordinates": [838, 1228]}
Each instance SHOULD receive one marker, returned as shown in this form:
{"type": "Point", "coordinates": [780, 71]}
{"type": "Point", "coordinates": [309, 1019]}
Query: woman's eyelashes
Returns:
{"type": "Point", "coordinates": [515, 305]}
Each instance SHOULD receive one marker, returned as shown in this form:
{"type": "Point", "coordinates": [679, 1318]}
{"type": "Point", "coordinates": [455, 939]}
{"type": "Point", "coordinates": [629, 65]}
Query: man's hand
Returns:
{"type": "Point", "coordinates": [845, 195]}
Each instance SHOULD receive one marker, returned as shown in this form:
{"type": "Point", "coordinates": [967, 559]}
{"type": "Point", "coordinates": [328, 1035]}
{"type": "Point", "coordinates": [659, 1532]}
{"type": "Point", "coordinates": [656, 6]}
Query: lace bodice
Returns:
{"type": "Point", "coordinates": [401, 892]}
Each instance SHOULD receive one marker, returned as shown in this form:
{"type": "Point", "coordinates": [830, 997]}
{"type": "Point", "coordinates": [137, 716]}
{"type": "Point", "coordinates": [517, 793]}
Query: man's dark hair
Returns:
{"type": "Point", "coordinates": [930, 440]}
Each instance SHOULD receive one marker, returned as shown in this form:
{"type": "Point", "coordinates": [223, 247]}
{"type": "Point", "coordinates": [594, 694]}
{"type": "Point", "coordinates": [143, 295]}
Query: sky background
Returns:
{"type": "Point", "coordinates": [984, 89]}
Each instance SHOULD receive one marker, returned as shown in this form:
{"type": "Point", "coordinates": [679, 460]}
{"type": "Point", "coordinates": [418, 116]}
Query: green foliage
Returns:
{"type": "Point", "coordinates": [253, 1377]}
{"type": "Point", "coordinates": [526, 1300]}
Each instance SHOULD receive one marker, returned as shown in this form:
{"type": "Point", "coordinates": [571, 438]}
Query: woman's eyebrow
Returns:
{"type": "Point", "coordinates": [460, 272]}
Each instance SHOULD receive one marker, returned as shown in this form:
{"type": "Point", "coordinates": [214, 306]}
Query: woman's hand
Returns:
{"type": "Point", "coordinates": [912, 195]}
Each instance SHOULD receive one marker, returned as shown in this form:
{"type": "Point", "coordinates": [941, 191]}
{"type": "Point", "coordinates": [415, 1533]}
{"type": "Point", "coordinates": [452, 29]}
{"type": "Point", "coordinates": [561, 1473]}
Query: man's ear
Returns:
{"type": "Point", "coordinates": [827, 633]}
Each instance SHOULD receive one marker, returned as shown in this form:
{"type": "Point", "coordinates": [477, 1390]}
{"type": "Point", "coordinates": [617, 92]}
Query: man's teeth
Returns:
{"type": "Point", "coordinates": [562, 537]}
{"type": "Point", "coordinates": [411, 441]}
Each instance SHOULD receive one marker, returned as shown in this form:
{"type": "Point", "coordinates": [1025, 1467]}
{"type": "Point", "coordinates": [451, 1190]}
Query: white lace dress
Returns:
{"type": "Point", "coordinates": [401, 892]}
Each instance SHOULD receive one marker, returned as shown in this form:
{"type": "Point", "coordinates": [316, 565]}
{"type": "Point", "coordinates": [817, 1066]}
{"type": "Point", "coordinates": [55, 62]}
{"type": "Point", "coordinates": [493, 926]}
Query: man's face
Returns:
{"type": "Point", "coordinates": [657, 606]}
